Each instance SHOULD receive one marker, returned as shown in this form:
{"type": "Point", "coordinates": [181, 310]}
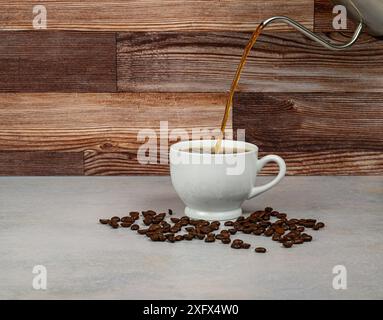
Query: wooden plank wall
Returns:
{"type": "Point", "coordinates": [74, 97]}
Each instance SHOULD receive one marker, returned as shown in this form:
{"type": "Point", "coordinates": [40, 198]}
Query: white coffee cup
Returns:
{"type": "Point", "coordinates": [214, 186]}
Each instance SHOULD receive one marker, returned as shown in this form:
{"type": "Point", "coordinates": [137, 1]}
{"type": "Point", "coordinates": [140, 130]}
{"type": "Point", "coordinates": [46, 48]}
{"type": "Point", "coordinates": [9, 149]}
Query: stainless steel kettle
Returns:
{"type": "Point", "coordinates": [367, 13]}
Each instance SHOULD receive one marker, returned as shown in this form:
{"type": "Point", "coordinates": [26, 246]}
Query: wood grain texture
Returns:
{"type": "Point", "coordinates": [155, 15]}
{"type": "Point", "coordinates": [102, 122]}
{"type": "Point", "coordinates": [61, 61]}
{"type": "Point", "coordinates": [280, 62]}
{"type": "Point", "coordinates": [323, 17]}
{"type": "Point", "coordinates": [339, 162]}
{"type": "Point", "coordinates": [311, 122]}
{"type": "Point", "coordinates": [37, 163]}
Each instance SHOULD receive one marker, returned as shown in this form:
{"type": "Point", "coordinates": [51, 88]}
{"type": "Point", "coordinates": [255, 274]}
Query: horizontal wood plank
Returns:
{"type": "Point", "coordinates": [61, 61]}
{"type": "Point", "coordinates": [298, 122]}
{"type": "Point", "coordinates": [339, 162]}
{"type": "Point", "coordinates": [104, 122]}
{"type": "Point", "coordinates": [323, 18]}
{"type": "Point", "coordinates": [155, 15]}
{"type": "Point", "coordinates": [279, 62]}
{"type": "Point", "coordinates": [35, 163]}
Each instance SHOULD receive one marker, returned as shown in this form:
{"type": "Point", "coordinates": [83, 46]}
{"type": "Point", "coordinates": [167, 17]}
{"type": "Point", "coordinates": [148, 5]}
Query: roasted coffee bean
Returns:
{"type": "Point", "coordinates": [154, 227]}
{"type": "Point", "coordinates": [190, 229]}
{"type": "Point", "coordinates": [225, 233]}
{"type": "Point", "coordinates": [142, 231]}
{"type": "Point", "coordinates": [229, 223]}
{"type": "Point", "coordinates": [220, 237]}
{"type": "Point", "coordinates": [318, 226]}
{"type": "Point", "coordinates": [238, 241]}
{"type": "Point", "coordinates": [179, 237]}
{"type": "Point", "coordinates": [232, 231]}
{"type": "Point", "coordinates": [260, 250]}
{"type": "Point", "coordinates": [174, 219]}
{"type": "Point", "coordinates": [279, 230]}
{"type": "Point", "coordinates": [306, 237]}
{"type": "Point", "coordinates": [115, 218]}
{"type": "Point", "coordinates": [170, 212]}
{"type": "Point", "coordinates": [188, 236]}
{"type": "Point", "coordinates": [185, 218]}
{"type": "Point", "coordinates": [274, 213]}
{"type": "Point", "coordinates": [175, 229]}
{"type": "Point", "coordinates": [288, 244]}
{"type": "Point", "coordinates": [147, 221]}
{"type": "Point", "coordinates": [214, 227]}
{"type": "Point", "coordinates": [226, 240]}
{"type": "Point", "coordinates": [204, 230]}
{"type": "Point", "coordinates": [209, 239]}
{"type": "Point", "coordinates": [114, 224]}
{"type": "Point", "coordinates": [301, 229]}
{"type": "Point", "coordinates": [127, 219]}
{"type": "Point", "coordinates": [170, 238]}
{"type": "Point", "coordinates": [135, 227]}
{"type": "Point", "coordinates": [247, 230]}
{"type": "Point", "coordinates": [104, 221]}
{"type": "Point", "coordinates": [246, 246]}
{"type": "Point", "coordinates": [268, 209]}
{"type": "Point", "coordinates": [135, 215]}
{"type": "Point", "coordinates": [200, 236]}
{"type": "Point", "coordinates": [125, 224]}
{"type": "Point", "coordinates": [236, 245]}
{"type": "Point", "coordinates": [276, 237]}
{"type": "Point", "coordinates": [281, 215]}
{"type": "Point", "coordinates": [258, 232]}
{"type": "Point", "coordinates": [216, 222]}
{"type": "Point", "coordinates": [269, 232]}
{"type": "Point", "coordinates": [241, 218]}
{"type": "Point", "coordinates": [298, 241]}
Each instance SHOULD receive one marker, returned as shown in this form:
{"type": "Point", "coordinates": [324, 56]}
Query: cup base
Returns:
{"type": "Point", "coordinates": [206, 215]}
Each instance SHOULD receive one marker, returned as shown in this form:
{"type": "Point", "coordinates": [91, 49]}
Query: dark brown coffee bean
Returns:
{"type": "Point", "coordinates": [318, 226]}
{"type": "Point", "coordinates": [127, 219]}
{"type": "Point", "coordinates": [276, 237]}
{"type": "Point", "coordinates": [246, 246]}
{"type": "Point", "coordinates": [260, 250]}
{"type": "Point", "coordinates": [134, 214]}
{"type": "Point", "coordinates": [147, 221]}
{"type": "Point", "coordinates": [190, 229]}
{"type": "Point", "coordinates": [220, 237]}
{"type": "Point", "coordinates": [269, 232]}
{"type": "Point", "coordinates": [247, 230]}
{"type": "Point", "coordinates": [142, 231]}
{"type": "Point", "coordinates": [104, 221]}
{"type": "Point", "coordinates": [288, 244]}
{"type": "Point", "coordinates": [241, 218]}
{"type": "Point", "coordinates": [135, 227]}
{"type": "Point", "coordinates": [281, 215]}
{"type": "Point", "coordinates": [258, 232]}
{"type": "Point", "coordinates": [238, 241]}
{"type": "Point", "coordinates": [179, 237]}
{"type": "Point", "coordinates": [125, 224]}
{"type": "Point", "coordinates": [236, 245]}
{"type": "Point", "coordinates": [226, 240]}
{"type": "Point", "coordinates": [188, 236]}
{"type": "Point", "coordinates": [306, 237]}
{"type": "Point", "coordinates": [274, 213]}
{"type": "Point", "coordinates": [279, 230]}
{"type": "Point", "coordinates": [114, 224]}
{"type": "Point", "coordinates": [170, 212]}
{"type": "Point", "coordinates": [175, 229]}
{"type": "Point", "coordinates": [210, 239]}
{"type": "Point", "coordinates": [229, 223]}
{"type": "Point", "coordinates": [298, 241]}
{"type": "Point", "coordinates": [301, 229]}
{"type": "Point", "coordinates": [232, 231]}
{"type": "Point", "coordinates": [268, 209]}
{"type": "Point", "coordinates": [174, 219]}
{"type": "Point", "coordinates": [115, 218]}
{"type": "Point", "coordinates": [200, 236]}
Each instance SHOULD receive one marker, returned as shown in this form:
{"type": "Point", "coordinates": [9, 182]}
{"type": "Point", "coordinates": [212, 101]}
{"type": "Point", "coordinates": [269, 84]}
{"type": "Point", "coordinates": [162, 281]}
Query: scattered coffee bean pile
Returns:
{"type": "Point", "coordinates": [287, 231]}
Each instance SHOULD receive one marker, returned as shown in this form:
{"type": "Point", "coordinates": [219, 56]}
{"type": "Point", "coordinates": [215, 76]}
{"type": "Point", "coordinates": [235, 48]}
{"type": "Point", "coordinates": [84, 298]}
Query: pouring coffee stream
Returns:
{"type": "Point", "coordinates": [368, 13]}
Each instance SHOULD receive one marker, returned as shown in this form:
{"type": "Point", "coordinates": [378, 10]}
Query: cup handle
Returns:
{"type": "Point", "coordinates": [260, 164]}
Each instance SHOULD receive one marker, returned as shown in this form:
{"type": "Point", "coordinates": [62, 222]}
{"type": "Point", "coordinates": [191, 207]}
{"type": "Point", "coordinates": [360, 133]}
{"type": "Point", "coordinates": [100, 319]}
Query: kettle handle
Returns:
{"type": "Point", "coordinates": [308, 33]}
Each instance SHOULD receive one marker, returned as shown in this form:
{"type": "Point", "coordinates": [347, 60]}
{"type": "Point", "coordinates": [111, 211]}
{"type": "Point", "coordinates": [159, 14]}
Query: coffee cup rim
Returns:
{"type": "Point", "coordinates": [197, 143]}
